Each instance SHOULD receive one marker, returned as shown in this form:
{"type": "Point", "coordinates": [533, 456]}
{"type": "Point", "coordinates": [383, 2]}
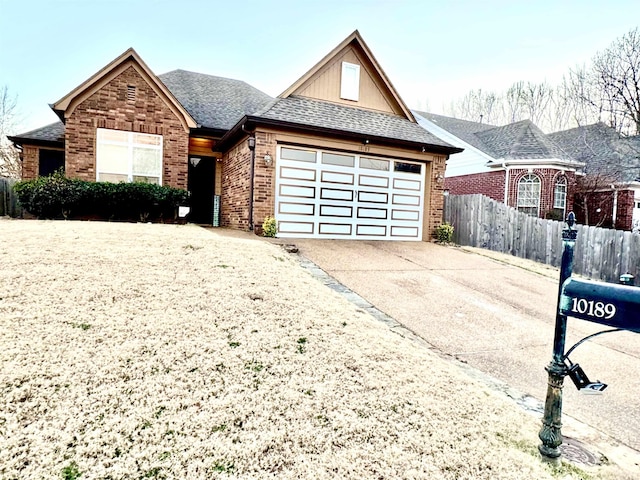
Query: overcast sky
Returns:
{"type": "Point", "coordinates": [433, 51]}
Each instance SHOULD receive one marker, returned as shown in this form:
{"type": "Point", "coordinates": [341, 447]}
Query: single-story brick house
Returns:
{"type": "Point", "coordinates": [610, 193]}
{"type": "Point", "coordinates": [516, 164]}
{"type": "Point", "coordinates": [337, 155]}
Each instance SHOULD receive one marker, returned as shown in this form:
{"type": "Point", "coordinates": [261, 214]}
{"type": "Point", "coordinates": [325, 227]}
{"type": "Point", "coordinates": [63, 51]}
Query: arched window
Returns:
{"type": "Point", "coordinates": [529, 194]}
{"type": "Point", "coordinates": [560, 197]}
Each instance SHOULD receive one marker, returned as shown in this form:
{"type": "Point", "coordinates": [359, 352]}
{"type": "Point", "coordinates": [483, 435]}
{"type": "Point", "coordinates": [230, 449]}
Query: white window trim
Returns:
{"type": "Point", "coordinates": [130, 144]}
{"type": "Point", "coordinates": [350, 81]}
{"type": "Point", "coordinates": [522, 181]}
{"type": "Point", "coordinates": [560, 183]}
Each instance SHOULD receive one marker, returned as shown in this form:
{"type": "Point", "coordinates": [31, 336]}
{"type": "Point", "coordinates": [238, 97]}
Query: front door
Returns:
{"type": "Point", "coordinates": [201, 183]}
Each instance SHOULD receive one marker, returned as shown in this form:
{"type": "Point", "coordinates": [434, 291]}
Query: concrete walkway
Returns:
{"type": "Point", "coordinates": [494, 316]}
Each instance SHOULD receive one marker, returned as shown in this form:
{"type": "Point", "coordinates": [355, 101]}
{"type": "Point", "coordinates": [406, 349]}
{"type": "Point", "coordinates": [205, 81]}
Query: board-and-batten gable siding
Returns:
{"type": "Point", "coordinates": [325, 84]}
{"type": "Point", "coordinates": [467, 162]}
{"type": "Point", "coordinates": [110, 108]}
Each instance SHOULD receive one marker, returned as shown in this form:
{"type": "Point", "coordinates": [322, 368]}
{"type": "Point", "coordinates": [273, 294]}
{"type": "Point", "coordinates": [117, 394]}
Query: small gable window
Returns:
{"type": "Point", "coordinates": [529, 194]}
{"type": "Point", "coordinates": [128, 157]}
{"type": "Point", "coordinates": [350, 81]}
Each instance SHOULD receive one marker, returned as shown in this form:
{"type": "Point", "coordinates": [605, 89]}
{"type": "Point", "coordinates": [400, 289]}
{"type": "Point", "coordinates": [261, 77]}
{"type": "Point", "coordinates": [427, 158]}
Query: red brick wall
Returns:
{"type": "Point", "coordinates": [434, 200]}
{"type": "Point", "coordinates": [109, 108]}
{"type": "Point", "coordinates": [548, 178]}
{"type": "Point", "coordinates": [265, 180]}
{"type": "Point", "coordinates": [587, 206]}
{"type": "Point", "coordinates": [30, 162]}
{"type": "Point", "coordinates": [236, 193]}
{"type": "Point", "coordinates": [624, 220]}
{"type": "Point", "coordinates": [490, 184]}
{"type": "Point", "coordinates": [234, 208]}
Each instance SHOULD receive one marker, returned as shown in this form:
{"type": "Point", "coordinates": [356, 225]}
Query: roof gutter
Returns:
{"type": "Point", "coordinates": [251, 122]}
{"type": "Point", "coordinates": [251, 142]}
{"type": "Point", "coordinates": [19, 141]}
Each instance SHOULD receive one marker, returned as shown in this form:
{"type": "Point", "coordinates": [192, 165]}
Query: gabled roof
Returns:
{"type": "Point", "coordinates": [355, 40]}
{"type": "Point", "coordinates": [65, 106]}
{"type": "Point", "coordinates": [603, 150]}
{"type": "Point", "coordinates": [368, 124]}
{"type": "Point", "coordinates": [52, 134]}
{"type": "Point", "coordinates": [214, 102]}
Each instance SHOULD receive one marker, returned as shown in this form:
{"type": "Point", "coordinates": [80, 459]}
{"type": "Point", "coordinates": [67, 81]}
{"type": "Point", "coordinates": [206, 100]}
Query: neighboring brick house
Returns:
{"type": "Point", "coordinates": [337, 155]}
{"type": "Point", "coordinates": [609, 192]}
{"type": "Point", "coordinates": [516, 164]}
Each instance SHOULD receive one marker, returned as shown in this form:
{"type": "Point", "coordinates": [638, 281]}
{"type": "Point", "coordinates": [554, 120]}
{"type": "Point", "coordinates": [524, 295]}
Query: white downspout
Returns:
{"type": "Point", "coordinates": [506, 183]}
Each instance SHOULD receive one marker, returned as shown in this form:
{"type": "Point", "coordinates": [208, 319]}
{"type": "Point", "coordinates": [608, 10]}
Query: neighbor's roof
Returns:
{"type": "Point", "coordinates": [515, 141]}
{"type": "Point", "coordinates": [214, 102]}
{"type": "Point", "coordinates": [520, 140]}
{"type": "Point", "coordinates": [603, 150]}
{"type": "Point", "coordinates": [325, 115]}
{"type": "Point", "coordinates": [52, 133]}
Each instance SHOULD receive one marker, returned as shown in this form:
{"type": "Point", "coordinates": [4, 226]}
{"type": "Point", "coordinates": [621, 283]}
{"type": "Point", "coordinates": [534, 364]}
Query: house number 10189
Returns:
{"type": "Point", "coordinates": [593, 308]}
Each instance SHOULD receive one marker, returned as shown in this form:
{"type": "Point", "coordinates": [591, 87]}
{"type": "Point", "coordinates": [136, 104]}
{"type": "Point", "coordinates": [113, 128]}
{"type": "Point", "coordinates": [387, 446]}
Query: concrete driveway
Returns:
{"type": "Point", "coordinates": [494, 316]}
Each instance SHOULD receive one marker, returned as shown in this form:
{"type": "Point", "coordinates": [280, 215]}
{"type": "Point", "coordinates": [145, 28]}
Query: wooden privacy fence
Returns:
{"type": "Point", "coordinates": [8, 200]}
{"type": "Point", "coordinates": [600, 253]}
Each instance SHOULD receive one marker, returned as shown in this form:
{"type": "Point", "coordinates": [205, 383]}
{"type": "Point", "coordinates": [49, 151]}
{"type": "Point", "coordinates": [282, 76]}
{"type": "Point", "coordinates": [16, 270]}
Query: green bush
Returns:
{"type": "Point", "coordinates": [444, 233]}
{"type": "Point", "coordinates": [269, 227]}
{"type": "Point", "coordinates": [56, 196]}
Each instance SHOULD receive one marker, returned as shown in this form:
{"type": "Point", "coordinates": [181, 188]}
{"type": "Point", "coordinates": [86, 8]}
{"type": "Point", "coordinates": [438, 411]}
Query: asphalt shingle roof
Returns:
{"type": "Point", "coordinates": [603, 151]}
{"type": "Point", "coordinates": [53, 132]}
{"type": "Point", "coordinates": [316, 113]}
{"type": "Point", "coordinates": [214, 102]}
{"type": "Point", "coordinates": [520, 140]}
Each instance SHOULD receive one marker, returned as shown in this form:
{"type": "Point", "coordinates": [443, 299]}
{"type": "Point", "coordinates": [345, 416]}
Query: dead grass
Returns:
{"type": "Point", "coordinates": [154, 351]}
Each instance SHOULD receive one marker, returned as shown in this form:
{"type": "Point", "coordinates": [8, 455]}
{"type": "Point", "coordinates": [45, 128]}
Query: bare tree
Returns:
{"type": "Point", "coordinates": [610, 87]}
{"type": "Point", "coordinates": [477, 106]}
{"type": "Point", "coordinates": [9, 156]}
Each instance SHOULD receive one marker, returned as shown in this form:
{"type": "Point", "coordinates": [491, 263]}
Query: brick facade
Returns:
{"type": "Point", "coordinates": [236, 167]}
{"type": "Point", "coordinates": [490, 184]}
{"type": "Point", "coordinates": [597, 208]}
{"type": "Point", "coordinates": [110, 107]}
{"type": "Point", "coordinates": [434, 199]}
{"type": "Point", "coordinates": [548, 178]}
{"type": "Point", "coordinates": [30, 162]}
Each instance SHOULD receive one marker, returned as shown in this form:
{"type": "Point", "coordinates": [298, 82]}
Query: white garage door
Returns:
{"type": "Point", "coordinates": [327, 194]}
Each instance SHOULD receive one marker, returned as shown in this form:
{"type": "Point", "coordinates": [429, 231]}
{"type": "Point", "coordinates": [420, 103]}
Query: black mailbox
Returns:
{"type": "Point", "coordinates": [615, 305]}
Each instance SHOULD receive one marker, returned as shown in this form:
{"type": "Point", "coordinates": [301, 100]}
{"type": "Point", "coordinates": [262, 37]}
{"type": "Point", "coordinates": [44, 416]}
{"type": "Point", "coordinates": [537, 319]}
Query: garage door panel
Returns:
{"type": "Point", "coordinates": [406, 199]}
{"type": "Point", "coordinates": [296, 208]}
{"type": "Point", "coordinates": [306, 228]}
{"type": "Point", "coordinates": [371, 181]}
{"type": "Point", "coordinates": [337, 177]}
{"type": "Point", "coordinates": [397, 214]}
{"type": "Point", "coordinates": [401, 184]}
{"type": "Point", "coordinates": [298, 191]}
{"type": "Point", "coordinates": [404, 232]}
{"type": "Point", "coordinates": [298, 174]}
{"type": "Point", "coordinates": [336, 194]}
{"type": "Point", "coordinates": [372, 197]}
{"type": "Point", "coordinates": [335, 211]}
{"type": "Point", "coordinates": [335, 229]}
{"type": "Point", "coordinates": [379, 213]}
{"type": "Point", "coordinates": [371, 230]}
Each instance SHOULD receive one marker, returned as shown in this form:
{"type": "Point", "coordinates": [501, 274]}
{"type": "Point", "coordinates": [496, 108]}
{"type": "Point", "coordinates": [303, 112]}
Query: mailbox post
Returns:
{"type": "Point", "coordinates": [551, 434]}
{"type": "Point", "coordinates": [616, 306]}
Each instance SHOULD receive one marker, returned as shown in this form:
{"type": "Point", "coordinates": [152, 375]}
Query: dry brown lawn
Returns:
{"type": "Point", "coordinates": [160, 351]}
